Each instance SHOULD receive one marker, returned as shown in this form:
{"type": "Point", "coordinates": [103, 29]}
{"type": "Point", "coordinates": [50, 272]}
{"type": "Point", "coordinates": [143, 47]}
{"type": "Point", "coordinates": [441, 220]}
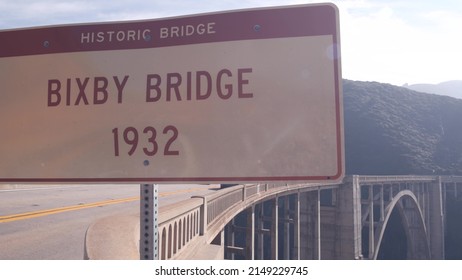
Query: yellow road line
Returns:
{"type": "Point", "coordinates": [40, 213]}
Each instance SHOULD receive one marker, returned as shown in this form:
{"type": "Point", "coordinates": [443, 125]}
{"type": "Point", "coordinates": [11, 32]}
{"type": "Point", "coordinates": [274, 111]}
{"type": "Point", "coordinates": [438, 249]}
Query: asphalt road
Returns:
{"type": "Point", "coordinates": [39, 222]}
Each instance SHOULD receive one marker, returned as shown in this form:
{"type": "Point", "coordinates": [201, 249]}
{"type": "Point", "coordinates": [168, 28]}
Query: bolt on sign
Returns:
{"type": "Point", "coordinates": [237, 96]}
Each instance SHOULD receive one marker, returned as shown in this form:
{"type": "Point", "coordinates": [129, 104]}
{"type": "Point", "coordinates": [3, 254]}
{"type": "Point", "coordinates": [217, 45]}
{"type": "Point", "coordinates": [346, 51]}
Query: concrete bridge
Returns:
{"type": "Point", "coordinates": [348, 220]}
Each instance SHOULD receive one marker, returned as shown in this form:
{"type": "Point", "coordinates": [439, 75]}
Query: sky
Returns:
{"type": "Point", "coordinates": [388, 41]}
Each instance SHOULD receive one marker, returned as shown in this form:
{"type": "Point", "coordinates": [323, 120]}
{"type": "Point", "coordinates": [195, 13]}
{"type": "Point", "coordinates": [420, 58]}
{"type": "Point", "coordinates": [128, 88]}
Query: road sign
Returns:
{"type": "Point", "coordinates": [237, 96]}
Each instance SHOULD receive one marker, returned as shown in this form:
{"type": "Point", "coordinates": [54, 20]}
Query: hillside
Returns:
{"type": "Point", "coordinates": [394, 130]}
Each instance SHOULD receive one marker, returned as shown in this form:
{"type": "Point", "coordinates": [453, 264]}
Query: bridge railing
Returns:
{"type": "Point", "coordinates": [219, 202]}
{"type": "Point", "coordinates": [391, 179]}
{"type": "Point", "coordinates": [451, 179]}
{"type": "Point", "coordinates": [181, 223]}
{"type": "Point", "coordinates": [179, 226]}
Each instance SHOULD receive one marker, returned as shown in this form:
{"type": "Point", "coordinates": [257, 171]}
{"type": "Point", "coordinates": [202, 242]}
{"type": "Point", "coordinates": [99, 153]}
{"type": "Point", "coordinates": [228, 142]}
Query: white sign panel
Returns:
{"type": "Point", "coordinates": [242, 96]}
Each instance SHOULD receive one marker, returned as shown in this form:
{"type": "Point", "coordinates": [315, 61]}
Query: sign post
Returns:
{"type": "Point", "coordinates": [149, 208]}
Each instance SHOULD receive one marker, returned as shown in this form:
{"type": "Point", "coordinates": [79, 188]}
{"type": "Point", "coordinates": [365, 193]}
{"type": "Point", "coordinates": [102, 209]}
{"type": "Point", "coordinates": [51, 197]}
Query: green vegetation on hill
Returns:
{"type": "Point", "coordinates": [394, 130]}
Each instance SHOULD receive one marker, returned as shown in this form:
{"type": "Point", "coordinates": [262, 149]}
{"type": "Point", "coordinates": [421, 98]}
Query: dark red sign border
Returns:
{"type": "Point", "coordinates": [266, 23]}
{"type": "Point", "coordinates": [228, 26]}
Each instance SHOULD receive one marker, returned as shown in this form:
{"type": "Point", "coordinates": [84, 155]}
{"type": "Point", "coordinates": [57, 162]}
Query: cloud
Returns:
{"type": "Point", "coordinates": [383, 42]}
{"type": "Point", "coordinates": [25, 13]}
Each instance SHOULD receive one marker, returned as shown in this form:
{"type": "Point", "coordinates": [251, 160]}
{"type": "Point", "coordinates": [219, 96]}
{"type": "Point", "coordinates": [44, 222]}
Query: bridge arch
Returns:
{"type": "Point", "coordinates": [414, 224]}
